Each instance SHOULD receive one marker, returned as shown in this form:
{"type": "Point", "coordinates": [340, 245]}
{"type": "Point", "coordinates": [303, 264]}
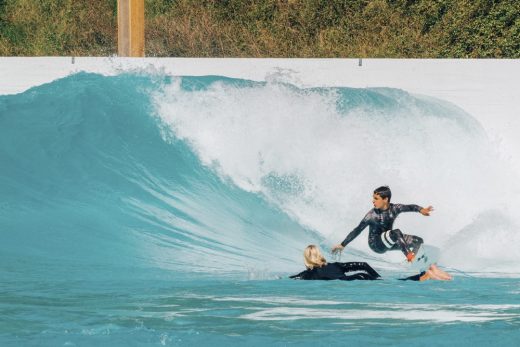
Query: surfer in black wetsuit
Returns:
{"type": "Point", "coordinates": [319, 269]}
{"type": "Point", "coordinates": [382, 237]}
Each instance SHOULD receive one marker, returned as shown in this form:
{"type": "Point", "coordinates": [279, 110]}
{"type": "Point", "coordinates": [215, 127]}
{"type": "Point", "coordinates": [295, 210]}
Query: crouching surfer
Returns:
{"type": "Point", "coordinates": [380, 220]}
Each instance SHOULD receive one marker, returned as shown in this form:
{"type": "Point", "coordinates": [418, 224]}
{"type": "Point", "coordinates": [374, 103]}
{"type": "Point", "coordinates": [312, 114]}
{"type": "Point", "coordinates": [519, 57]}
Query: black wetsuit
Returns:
{"type": "Point", "coordinates": [339, 271]}
{"type": "Point", "coordinates": [414, 277]}
{"type": "Point", "coordinates": [381, 236]}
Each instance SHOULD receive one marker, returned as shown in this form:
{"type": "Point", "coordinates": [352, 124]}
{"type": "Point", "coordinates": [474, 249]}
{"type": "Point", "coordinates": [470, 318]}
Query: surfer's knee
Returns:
{"type": "Point", "coordinates": [396, 232]}
{"type": "Point", "coordinates": [395, 235]}
{"type": "Point", "coordinates": [379, 250]}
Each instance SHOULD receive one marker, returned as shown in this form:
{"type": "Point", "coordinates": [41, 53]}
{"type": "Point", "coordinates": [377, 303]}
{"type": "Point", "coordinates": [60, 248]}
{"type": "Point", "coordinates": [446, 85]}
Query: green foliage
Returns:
{"type": "Point", "coordinates": [57, 27]}
{"type": "Point", "coordinates": [270, 28]}
{"type": "Point", "coordinates": [153, 8]}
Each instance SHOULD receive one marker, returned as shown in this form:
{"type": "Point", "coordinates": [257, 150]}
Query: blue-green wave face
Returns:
{"type": "Point", "coordinates": [89, 179]}
{"type": "Point", "coordinates": [133, 173]}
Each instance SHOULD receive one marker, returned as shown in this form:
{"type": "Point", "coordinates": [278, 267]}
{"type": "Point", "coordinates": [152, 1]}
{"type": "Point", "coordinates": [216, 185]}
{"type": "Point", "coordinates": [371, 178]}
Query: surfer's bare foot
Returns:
{"type": "Point", "coordinates": [425, 277]}
{"type": "Point", "coordinates": [439, 273]}
{"type": "Point", "coordinates": [430, 275]}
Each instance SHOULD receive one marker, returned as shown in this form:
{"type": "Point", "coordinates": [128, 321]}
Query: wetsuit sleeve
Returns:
{"type": "Point", "coordinates": [407, 208]}
{"type": "Point", "coordinates": [359, 276]}
{"type": "Point", "coordinates": [360, 266]}
{"type": "Point", "coordinates": [357, 230]}
{"type": "Point", "coordinates": [414, 277]}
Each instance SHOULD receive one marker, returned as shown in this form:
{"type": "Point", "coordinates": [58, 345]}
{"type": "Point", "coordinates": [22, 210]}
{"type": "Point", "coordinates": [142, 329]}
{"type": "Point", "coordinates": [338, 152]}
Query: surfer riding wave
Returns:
{"type": "Point", "coordinates": [382, 237]}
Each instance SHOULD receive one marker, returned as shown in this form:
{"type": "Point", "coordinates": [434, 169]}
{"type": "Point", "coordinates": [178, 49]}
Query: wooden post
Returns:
{"type": "Point", "coordinates": [130, 28]}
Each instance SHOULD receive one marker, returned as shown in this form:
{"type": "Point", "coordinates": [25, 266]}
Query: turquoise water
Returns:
{"type": "Point", "coordinates": [223, 311]}
{"type": "Point", "coordinates": [149, 210]}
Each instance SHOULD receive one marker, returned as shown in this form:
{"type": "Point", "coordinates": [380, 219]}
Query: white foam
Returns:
{"type": "Point", "coordinates": [355, 315]}
{"type": "Point", "coordinates": [486, 88]}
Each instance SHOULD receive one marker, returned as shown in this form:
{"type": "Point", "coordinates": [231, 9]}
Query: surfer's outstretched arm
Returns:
{"type": "Point", "coordinates": [425, 211]}
{"type": "Point", "coordinates": [301, 276]}
{"type": "Point", "coordinates": [353, 234]}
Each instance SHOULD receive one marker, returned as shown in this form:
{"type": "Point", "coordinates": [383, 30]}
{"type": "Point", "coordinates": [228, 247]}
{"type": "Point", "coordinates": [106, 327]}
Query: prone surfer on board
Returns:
{"type": "Point", "coordinates": [319, 269]}
{"type": "Point", "coordinates": [382, 237]}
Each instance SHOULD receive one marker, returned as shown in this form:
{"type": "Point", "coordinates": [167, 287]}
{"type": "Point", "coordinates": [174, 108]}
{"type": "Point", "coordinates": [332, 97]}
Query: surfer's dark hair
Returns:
{"type": "Point", "coordinates": [384, 192]}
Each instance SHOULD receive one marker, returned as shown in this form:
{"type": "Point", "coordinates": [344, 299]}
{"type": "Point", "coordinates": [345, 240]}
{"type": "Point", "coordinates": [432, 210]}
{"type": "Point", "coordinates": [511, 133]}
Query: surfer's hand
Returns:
{"type": "Point", "coordinates": [426, 211]}
{"type": "Point", "coordinates": [337, 248]}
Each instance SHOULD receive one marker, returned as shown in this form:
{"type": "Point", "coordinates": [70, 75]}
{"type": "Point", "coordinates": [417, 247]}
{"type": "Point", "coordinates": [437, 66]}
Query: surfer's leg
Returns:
{"type": "Point", "coordinates": [416, 277]}
{"type": "Point", "coordinates": [371, 271]}
{"type": "Point", "coordinates": [433, 273]}
{"type": "Point", "coordinates": [408, 244]}
{"type": "Point", "coordinates": [423, 276]}
{"type": "Point", "coordinates": [413, 242]}
{"type": "Point", "coordinates": [379, 245]}
{"type": "Point", "coordinates": [394, 239]}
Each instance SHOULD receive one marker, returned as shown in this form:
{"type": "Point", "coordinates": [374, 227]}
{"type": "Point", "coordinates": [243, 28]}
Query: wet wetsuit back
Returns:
{"type": "Point", "coordinates": [339, 271]}
{"type": "Point", "coordinates": [378, 222]}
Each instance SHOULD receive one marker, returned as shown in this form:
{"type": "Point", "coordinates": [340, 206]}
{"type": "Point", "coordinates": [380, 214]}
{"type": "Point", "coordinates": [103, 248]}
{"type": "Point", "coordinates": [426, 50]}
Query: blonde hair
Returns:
{"type": "Point", "coordinates": [312, 257]}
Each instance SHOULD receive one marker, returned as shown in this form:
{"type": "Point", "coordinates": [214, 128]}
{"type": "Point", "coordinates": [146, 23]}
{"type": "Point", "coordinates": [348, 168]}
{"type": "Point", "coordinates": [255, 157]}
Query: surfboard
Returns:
{"type": "Point", "coordinates": [426, 256]}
